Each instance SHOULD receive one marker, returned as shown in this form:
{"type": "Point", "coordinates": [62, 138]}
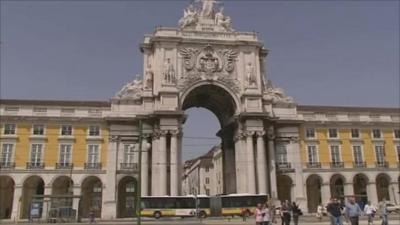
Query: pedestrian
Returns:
{"type": "Point", "coordinates": [383, 212]}
{"type": "Point", "coordinates": [296, 212]}
{"type": "Point", "coordinates": [353, 211]}
{"type": "Point", "coordinates": [259, 214]}
{"type": "Point", "coordinates": [370, 211]}
{"type": "Point", "coordinates": [285, 211]}
{"type": "Point", "coordinates": [267, 215]}
{"type": "Point", "coordinates": [334, 211]}
{"type": "Point", "coordinates": [92, 216]}
{"type": "Point", "coordinates": [319, 212]}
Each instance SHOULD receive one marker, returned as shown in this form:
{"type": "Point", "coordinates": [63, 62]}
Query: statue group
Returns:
{"type": "Point", "coordinates": [191, 15]}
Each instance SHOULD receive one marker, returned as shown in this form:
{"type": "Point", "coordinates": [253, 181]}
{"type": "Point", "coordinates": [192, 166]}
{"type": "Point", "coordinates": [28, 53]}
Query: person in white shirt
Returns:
{"type": "Point", "coordinates": [267, 215]}
{"type": "Point", "coordinates": [370, 211]}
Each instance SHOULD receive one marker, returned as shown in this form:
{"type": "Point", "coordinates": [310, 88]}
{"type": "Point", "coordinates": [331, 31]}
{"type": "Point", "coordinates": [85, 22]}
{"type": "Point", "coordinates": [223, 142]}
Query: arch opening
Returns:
{"type": "Point", "coordinates": [382, 187]}
{"type": "Point", "coordinates": [91, 200]}
{"type": "Point", "coordinates": [313, 183]}
{"type": "Point", "coordinates": [34, 185]}
{"type": "Point", "coordinates": [284, 184]}
{"type": "Point", "coordinates": [360, 182]}
{"type": "Point", "coordinates": [7, 186]}
{"type": "Point", "coordinates": [337, 186]}
{"type": "Point", "coordinates": [127, 187]}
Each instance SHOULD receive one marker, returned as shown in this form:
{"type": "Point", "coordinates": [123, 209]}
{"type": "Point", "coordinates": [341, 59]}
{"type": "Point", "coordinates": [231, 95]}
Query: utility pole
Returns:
{"type": "Point", "coordinates": [139, 183]}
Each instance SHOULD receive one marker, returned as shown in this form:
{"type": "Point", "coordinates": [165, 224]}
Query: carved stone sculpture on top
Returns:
{"type": "Point", "coordinates": [223, 21]}
{"type": "Point", "coordinates": [207, 9]}
{"type": "Point", "coordinates": [190, 17]}
{"type": "Point", "coordinates": [131, 90]}
{"type": "Point", "coordinates": [276, 95]}
{"type": "Point", "coordinates": [250, 75]}
{"type": "Point", "coordinates": [169, 72]}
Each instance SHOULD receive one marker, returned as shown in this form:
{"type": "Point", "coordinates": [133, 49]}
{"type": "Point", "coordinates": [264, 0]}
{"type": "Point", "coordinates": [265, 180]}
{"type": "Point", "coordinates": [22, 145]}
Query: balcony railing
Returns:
{"type": "Point", "coordinates": [382, 164]}
{"type": "Point", "coordinates": [92, 166]}
{"type": "Point", "coordinates": [61, 166]}
{"type": "Point", "coordinates": [129, 166]}
{"type": "Point", "coordinates": [359, 164]}
{"type": "Point", "coordinates": [313, 165]}
{"type": "Point", "coordinates": [283, 165]}
{"type": "Point", "coordinates": [337, 164]}
{"type": "Point", "coordinates": [34, 165]}
{"type": "Point", "coordinates": [7, 165]}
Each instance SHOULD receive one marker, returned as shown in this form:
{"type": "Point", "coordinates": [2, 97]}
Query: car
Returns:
{"type": "Point", "coordinates": [392, 208]}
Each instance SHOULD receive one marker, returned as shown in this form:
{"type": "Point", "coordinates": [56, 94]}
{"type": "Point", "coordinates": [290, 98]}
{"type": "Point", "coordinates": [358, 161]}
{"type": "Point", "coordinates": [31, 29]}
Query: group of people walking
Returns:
{"type": "Point", "coordinates": [266, 214]}
{"type": "Point", "coordinates": [352, 212]}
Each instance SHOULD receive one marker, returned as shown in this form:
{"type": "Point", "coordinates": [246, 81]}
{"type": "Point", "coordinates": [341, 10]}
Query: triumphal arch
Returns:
{"type": "Point", "coordinates": [205, 62]}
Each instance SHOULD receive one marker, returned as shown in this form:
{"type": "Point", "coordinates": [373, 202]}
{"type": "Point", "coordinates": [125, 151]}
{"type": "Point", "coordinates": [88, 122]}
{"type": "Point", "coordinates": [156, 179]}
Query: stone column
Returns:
{"type": "Point", "coordinates": [348, 189]}
{"type": "Point", "coordinates": [155, 174]}
{"type": "Point", "coordinates": [251, 176]}
{"type": "Point", "coordinates": [75, 202]}
{"type": "Point", "coordinates": [240, 162]}
{"type": "Point", "coordinates": [17, 200]}
{"type": "Point", "coordinates": [394, 193]}
{"type": "Point", "coordinates": [272, 165]}
{"type": "Point", "coordinates": [145, 167]}
{"type": "Point", "coordinates": [261, 163]}
{"type": "Point", "coordinates": [109, 204]}
{"type": "Point", "coordinates": [299, 190]}
{"type": "Point", "coordinates": [174, 183]}
{"type": "Point", "coordinates": [372, 193]}
{"type": "Point", "coordinates": [46, 203]}
{"type": "Point", "coordinates": [325, 192]}
{"type": "Point", "coordinates": [162, 166]}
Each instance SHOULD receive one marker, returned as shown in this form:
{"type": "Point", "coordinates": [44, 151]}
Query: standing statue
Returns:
{"type": "Point", "coordinates": [219, 16]}
{"type": "Point", "coordinates": [189, 17]}
{"type": "Point", "coordinates": [149, 77]}
{"type": "Point", "coordinates": [208, 8]}
{"type": "Point", "coordinates": [250, 75]}
{"type": "Point", "coordinates": [169, 72]}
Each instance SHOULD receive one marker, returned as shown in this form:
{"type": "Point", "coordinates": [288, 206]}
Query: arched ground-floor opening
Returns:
{"type": "Point", "coordinates": [34, 185]}
{"type": "Point", "coordinates": [337, 186]}
{"type": "Point", "coordinates": [127, 187]}
{"type": "Point", "coordinates": [360, 182]}
{"type": "Point", "coordinates": [284, 185]}
{"type": "Point", "coordinates": [382, 187]}
{"type": "Point", "coordinates": [62, 186]}
{"type": "Point", "coordinates": [6, 196]}
{"type": "Point", "coordinates": [91, 200]}
{"type": "Point", "coordinates": [313, 184]}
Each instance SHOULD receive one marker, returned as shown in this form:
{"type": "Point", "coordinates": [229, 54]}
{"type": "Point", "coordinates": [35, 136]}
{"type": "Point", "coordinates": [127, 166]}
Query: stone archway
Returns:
{"type": "Point", "coordinates": [62, 185]}
{"type": "Point", "coordinates": [313, 183]}
{"type": "Point", "coordinates": [91, 200]}
{"type": "Point", "coordinates": [221, 102]}
{"type": "Point", "coordinates": [360, 182]}
{"type": "Point", "coordinates": [7, 186]}
{"type": "Point", "coordinates": [337, 186]}
{"type": "Point", "coordinates": [127, 187]}
{"type": "Point", "coordinates": [284, 184]}
{"type": "Point", "coordinates": [33, 185]}
{"type": "Point", "coordinates": [382, 187]}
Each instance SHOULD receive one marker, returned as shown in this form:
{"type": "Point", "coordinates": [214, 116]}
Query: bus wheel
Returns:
{"type": "Point", "coordinates": [157, 215]}
{"type": "Point", "coordinates": [202, 214]}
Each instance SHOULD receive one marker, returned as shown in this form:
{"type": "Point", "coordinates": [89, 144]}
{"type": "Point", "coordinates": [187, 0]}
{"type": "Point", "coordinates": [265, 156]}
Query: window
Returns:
{"type": "Point", "coordinates": [38, 130]}
{"type": "Point", "coordinates": [207, 191]}
{"type": "Point", "coordinates": [310, 133]}
{"type": "Point", "coordinates": [130, 187]}
{"type": "Point", "coordinates": [379, 153]}
{"type": "Point", "coordinates": [129, 151]}
{"type": "Point", "coordinates": [66, 130]}
{"type": "Point", "coordinates": [207, 180]}
{"type": "Point", "coordinates": [335, 153]}
{"type": "Point", "coordinates": [332, 133]}
{"type": "Point", "coordinates": [357, 154]}
{"type": "Point", "coordinates": [93, 154]}
{"type": "Point", "coordinates": [355, 133]}
{"type": "Point", "coordinates": [398, 152]}
{"type": "Point", "coordinates": [94, 131]}
{"type": "Point", "coordinates": [312, 153]}
{"type": "Point", "coordinates": [6, 154]}
{"type": "Point", "coordinates": [36, 154]}
{"type": "Point", "coordinates": [376, 133]}
{"type": "Point", "coordinates": [65, 154]}
{"type": "Point", "coordinates": [396, 133]}
{"type": "Point", "coordinates": [281, 153]}
{"type": "Point", "coordinates": [9, 129]}
{"type": "Point", "coordinates": [207, 169]}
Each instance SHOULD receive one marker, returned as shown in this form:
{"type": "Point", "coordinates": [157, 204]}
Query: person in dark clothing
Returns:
{"type": "Point", "coordinates": [334, 210]}
{"type": "Point", "coordinates": [285, 212]}
{"type": "Point", "coordinates": [296, 212]}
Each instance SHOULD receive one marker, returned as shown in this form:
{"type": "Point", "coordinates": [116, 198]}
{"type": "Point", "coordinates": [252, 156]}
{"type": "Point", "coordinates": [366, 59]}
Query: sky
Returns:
{"type": "Point", "coordinates": [321, 52]}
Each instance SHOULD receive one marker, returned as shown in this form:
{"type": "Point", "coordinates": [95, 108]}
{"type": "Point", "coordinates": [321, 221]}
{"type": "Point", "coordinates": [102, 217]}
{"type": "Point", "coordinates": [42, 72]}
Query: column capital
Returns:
{"type": "Point", "coordinates": [294, 139]}
{"type": "Point", "coordinates": [239, 135]}
{"type": "Point", "coordinates": [175, 132]}
{"type": "Point", "coordinates": [260, 133]}
{"type": "Point", "coordinates": [249, 133]}
{"type": "Point", "coordinates": [114, 138]}
{"type": "Point", "coordinates": [271, 133]}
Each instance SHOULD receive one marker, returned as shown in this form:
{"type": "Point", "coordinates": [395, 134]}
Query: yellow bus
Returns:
{"type": "Point", "coordinates": [167, 206]}
{"type": "Point", "coordinates": [241, 204]}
